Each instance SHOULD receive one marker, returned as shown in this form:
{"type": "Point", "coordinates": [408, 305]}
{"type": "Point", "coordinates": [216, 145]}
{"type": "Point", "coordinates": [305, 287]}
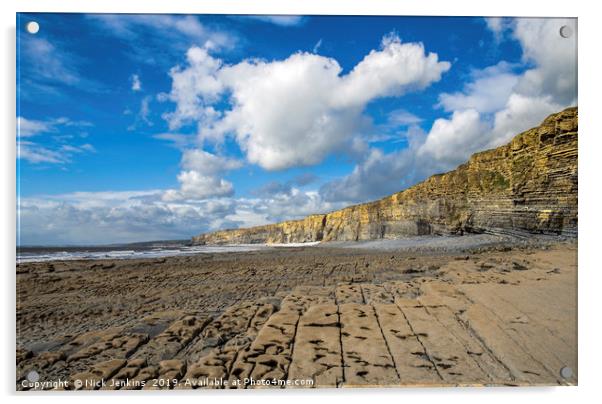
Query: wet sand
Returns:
{"type": "Point", "coordinates": [498, 313]}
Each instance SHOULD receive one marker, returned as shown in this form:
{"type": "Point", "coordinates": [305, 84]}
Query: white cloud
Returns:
{"type": "Point", "coordinates": [376, 176]}
{"type": "Point", "coordinates": [48, 62]}
{"type": "Point", "coordinates": [54, 150]}
{"type": "Point", "coordinates": [521, 112]}
{"type": "Point", "coordinates": [109, 217]}
{"type": "Point", "coordinates": [555, 58]}
{"type": "Point", "coordinates": [128, 216]}
{"type": "Point", "coordinates": [29, 127]}
{"type": "Point", "coordinates": [136, 83]}
{"type": "Point", "coordinates": [509, 103]}
{"type": "Point", "coordinates": [380, 173]}
{"type": "Point", "coordinates": [194, 89]}
{"type": "Point", "coordinates": [196, 186]}
{"type": "Point", "coordinates": [188, 26]}
{"type": "Point", "coordinates": [149, 33]}
{"type": "Point", "coordinates": [493, 107]}
{"type": "Point", "coordinates": [391, 71]}
{"type": "Point", "coordinates": [498, 26]}
{"type": "Point", "coordinates": [178, 140]}
{"type": "Point", "coordinates": [200, 177]}
{"type": "Point", "coordinates": [402, 117]}
{"type": "Point", "coordinates": [296, 111]}
{"type": "Point", "coordinates": [205, 162]}
{"type": "Point", "coordinates": [274, 188]}
{"type": "Point", "coordinates": [295, 204]}
{"type": "Point", "coordinates": [488, 92]}
{"type": "Point", "coordinates": [35, 153]}
{"type": "Point", "coordinates": [520, 101]}
{"type": "Point", "coordinates": [45, 67]}
{"type": "Point", "coordinates": [450, 141]}
{"type": "Point", "coordinates": [78, 149]}
{"type": "Point", "coordinates": [321, 109]}
{"type": "Point", "coordinates": [495, 24]}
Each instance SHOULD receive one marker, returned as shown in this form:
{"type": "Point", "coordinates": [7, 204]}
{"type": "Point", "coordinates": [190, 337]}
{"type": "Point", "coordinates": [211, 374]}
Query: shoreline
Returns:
{"type": "Point", "coordinates": [423, 244]}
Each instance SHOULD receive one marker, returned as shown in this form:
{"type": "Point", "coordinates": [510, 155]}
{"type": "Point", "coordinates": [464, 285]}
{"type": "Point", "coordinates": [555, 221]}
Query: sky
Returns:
{"type": "Point", "coordinates": [154, 127]}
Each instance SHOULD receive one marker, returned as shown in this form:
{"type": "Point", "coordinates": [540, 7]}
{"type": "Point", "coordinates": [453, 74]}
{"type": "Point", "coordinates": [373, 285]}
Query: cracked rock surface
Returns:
{"type": "Point", "coordinates": [337, 317]}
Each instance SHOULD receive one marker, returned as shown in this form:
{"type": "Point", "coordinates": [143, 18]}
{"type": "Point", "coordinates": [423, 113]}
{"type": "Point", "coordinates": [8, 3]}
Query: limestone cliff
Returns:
{"type": "Point", "coordinates": [526, 186]}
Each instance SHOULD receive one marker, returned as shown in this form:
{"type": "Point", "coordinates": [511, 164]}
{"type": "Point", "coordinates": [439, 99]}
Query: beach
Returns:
{"type": "Point", "coordinates": [485, 310]}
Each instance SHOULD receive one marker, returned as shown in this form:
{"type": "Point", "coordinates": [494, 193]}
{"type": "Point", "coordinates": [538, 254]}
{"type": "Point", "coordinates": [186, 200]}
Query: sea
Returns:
{"type": "Point", "coordinates": [135, 251]}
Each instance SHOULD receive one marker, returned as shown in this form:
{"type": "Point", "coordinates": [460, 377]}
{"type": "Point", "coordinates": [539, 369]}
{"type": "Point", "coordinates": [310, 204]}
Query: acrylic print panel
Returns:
{"type": "Point", "coordinates": [227, 201]}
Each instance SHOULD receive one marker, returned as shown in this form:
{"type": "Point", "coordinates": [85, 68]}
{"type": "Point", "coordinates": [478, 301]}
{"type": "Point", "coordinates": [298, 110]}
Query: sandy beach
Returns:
{"type": "Point", "coordinates": [487, 312]}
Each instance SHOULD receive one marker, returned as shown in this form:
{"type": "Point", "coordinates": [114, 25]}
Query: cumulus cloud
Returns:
{"type": "Point", "coordinates": [555, 58]}
{"type": "Point", "coordinates": [128, 216]}
{"type": "Point", "coordinates": [380, 173]}
{"type": "Point", "coordinates": [273, 188]}
{"type": "Point", "coordinates": [391, 71]}
{"type": "Point", "coordinates": [521, 112]}
{"type": "Point", "coordinates": [194, 185]}
{"type": "Point", "coordinates": [488, 91]}
{"type": "Point", "coordinates": [449, 139]}
{"type": "Point", "coordinates": [524, 100]}
{"type": "Point", "coordinates": [509, 102]}
{"type": "Point", "coordinates": [205, 162]}
{"type": "Point", "coordinates": [495, 105]}
{"type": "Point", "coordinates": [294, 112]}
{"type": "Point", "coordinates": [294, 205]}
{"type": "Point", "coordinates": [200, 176]}
{"type": "Point", "coordinates": [376, 176]}
{"type": "Point", "coordinates": [109, 217]}
{"type": "Point", "coordinates": [194, 89]}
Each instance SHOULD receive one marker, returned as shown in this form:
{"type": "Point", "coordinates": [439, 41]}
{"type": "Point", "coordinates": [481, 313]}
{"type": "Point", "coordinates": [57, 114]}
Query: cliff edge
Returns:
{"type": "Point", "coordinates": [526, 186]}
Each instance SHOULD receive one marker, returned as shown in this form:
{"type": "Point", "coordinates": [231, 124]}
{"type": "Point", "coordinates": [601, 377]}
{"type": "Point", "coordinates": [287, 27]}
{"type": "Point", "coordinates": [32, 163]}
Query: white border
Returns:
{"type": "Point", "coordinates": [590, 112]}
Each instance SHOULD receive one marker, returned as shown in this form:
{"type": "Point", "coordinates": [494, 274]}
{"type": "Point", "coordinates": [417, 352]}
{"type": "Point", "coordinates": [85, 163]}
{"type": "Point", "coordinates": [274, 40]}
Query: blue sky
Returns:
{"type": "Point", "coordinates": [143, 127]}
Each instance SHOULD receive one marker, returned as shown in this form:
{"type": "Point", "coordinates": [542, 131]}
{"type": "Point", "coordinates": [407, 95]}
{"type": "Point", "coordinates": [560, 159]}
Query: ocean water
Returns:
{"type": "Point", "coordinates": [42, 254]}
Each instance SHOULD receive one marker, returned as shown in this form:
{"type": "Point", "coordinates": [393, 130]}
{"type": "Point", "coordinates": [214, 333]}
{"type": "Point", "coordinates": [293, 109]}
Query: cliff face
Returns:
{"type": "Point", "coordinates": [528, 185]}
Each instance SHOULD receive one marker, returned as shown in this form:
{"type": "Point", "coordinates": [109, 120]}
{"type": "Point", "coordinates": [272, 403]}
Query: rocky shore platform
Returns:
{"type": "Point", "coordinates": [493, 314]}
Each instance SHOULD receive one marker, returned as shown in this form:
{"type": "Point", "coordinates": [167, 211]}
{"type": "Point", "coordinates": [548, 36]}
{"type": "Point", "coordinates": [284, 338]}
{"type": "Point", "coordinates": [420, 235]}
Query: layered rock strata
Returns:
{"type": "Point", "coordinates": [526, 186]}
